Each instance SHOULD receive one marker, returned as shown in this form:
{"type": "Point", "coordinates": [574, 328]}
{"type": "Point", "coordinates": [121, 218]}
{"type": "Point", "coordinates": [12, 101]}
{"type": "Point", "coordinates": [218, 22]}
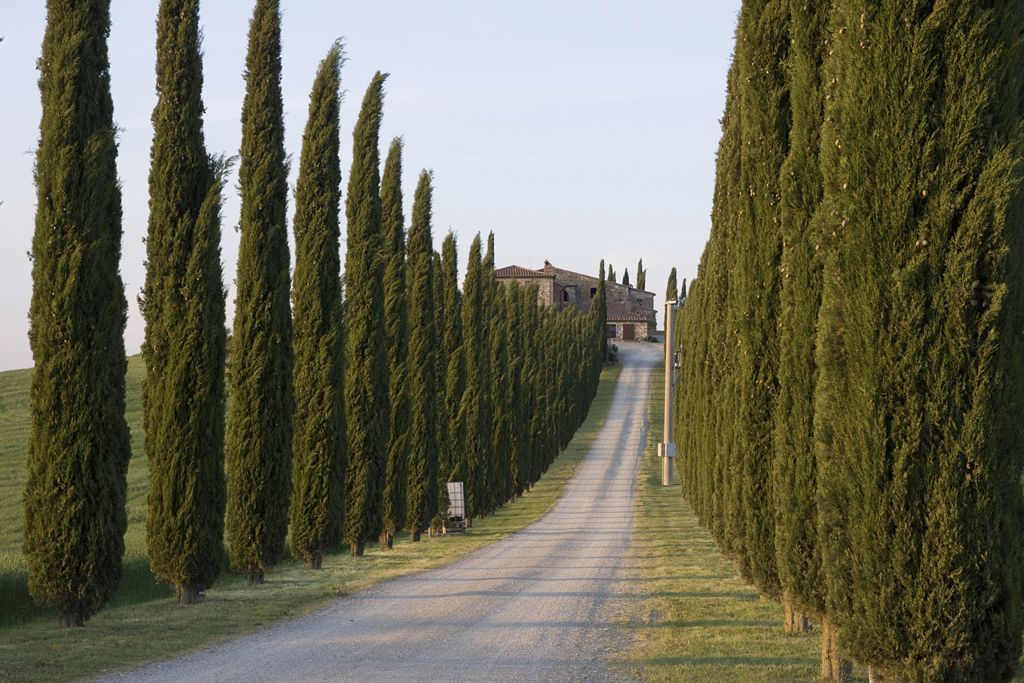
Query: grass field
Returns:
{"type": "Point", "coordinates": [695, 619]}
{"type": "Point", "coordinates": [143, 623]}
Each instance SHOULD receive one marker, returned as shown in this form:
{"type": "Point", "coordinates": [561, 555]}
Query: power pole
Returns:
{"type": "Point", "coordinates": [667, 448]}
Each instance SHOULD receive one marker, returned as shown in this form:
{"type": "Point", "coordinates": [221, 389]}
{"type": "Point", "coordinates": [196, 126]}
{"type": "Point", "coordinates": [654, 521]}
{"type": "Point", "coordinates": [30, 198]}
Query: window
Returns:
{"type": "Point", "coordinates": [593, 292]}
{"type": "Point", "coordinates": [565, 295]}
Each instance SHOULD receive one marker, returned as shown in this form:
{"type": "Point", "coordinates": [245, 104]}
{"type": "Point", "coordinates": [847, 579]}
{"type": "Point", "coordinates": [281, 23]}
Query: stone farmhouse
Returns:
{"type": "Point", "coordinates": [631, 313]}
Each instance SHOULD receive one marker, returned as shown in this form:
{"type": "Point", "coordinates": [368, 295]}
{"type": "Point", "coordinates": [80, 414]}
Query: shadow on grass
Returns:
{"type": "Point", "coordinates": [17, 607]}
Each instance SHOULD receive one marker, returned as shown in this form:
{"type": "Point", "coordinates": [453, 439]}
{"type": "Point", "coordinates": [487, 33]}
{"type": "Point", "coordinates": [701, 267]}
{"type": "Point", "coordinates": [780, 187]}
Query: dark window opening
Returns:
{"type": "Point", "coordinates": [593, 292]}
{"type": "Point", "coordinates": [565, 295]}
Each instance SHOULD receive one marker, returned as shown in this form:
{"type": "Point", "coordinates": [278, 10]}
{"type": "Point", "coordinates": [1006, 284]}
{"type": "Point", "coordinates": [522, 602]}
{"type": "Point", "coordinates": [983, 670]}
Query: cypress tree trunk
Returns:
{"type": "Point", "coordinates": [318, 443]}
{"type": "Point", "coordinates": [794, 477]}
{"type": "Point", "coordinates": [366, 371]}
{"type": "Point", "coordinates": [396, 324]}
{"type": "Point", "coordinates": [183, 307]}
{"type": "Point", "coordinates": [423, 342]}
{"type": "Point", "coordinates": [259, 428]}
{"type": "Point", "coordinates": [921, 365]}
{"type": "Point", "coordinates": [79, 445]}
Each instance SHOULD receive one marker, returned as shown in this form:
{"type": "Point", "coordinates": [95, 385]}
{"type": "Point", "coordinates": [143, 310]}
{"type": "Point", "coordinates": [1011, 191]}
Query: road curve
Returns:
{"type": "Point", "coordinates": [532, 607]}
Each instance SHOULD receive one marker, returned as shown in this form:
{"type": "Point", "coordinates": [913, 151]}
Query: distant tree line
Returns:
{"type": "Point", "coordinates": [851, 427]}
{"type": "Point", "coordinates": [350, 401]}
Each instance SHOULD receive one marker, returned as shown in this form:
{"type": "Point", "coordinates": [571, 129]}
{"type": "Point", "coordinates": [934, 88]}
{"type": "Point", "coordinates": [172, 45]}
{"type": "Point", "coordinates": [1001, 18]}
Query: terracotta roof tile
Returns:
{"type": "Point", "coordinates": [519, 271]}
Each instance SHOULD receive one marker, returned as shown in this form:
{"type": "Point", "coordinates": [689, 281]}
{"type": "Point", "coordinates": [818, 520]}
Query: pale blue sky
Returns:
{"type": "Point", "coordinates": [574, 129]}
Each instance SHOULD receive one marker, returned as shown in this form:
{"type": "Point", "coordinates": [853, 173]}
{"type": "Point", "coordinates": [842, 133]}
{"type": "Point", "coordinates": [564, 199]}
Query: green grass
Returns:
{"type": "Point", "coordinates": [143, 624]}
{"type": "Point", "coordinates": [694, 618]}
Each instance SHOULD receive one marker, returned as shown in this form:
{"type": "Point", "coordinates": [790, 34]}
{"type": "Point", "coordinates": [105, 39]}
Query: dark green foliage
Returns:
{"type": "Point", "coordinates": [641, 276]}
{"type": "Point", "coordinates": [396, 325]}
{"type": "Point", "coordinates": [318, 444]}
{"type": "Point", "coordinates": [763, 39]}
{"type": "Point", "coordinates": [611, 274]}
{"type": "Point", "coordinates": [794, 480]}
{"type": "Point", "coordinates": [183, 306]}
{"type": "Point", "coordinates": [422, 488]}
{"type": "Point", "coordinates": [451, 438]}
{"type": "Point", "coordinates": [919, 397]}
{"type": "Point", "coordinates": [487, 375]}
{"type": "Point", "coordinates": [366, 371]}
{"type": "Point", "coordinates": [259, 426]}
{"type": "Point", "coordinates": [625, 277]}
{"type": "Point", "coordinates": [599, 317]}
{"type": "Point", "coordinates": [475, 438]}
{"type": "Point", "coordinates": [671, 290]}
{"type": "Point", "coordinates": [79, 449]}
{"type": "Point", "coordinates": [502, 399]}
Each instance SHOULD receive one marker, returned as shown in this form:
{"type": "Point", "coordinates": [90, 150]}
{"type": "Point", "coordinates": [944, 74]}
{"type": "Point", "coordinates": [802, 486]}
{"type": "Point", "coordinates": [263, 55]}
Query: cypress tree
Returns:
{"type": "Point", "coordinates": [455, 380]}
{"type": "Point", "coordinates": [671, 291]}
{"type": "Point", "coordinates": [79, 447]}
{"type": "Point", "coordinates": [259, 427]}
{"type": "Point", "coordinates": [599, 311]}
{"type": "Point", "coordinates": [318, 444]}
{"type": "Point", "coordinates": [501, 399]}
{"type": "Point", "coordinates": [366, 371]}
{"type": "Point", "coordinates": [423, 342]}
{"type": "Point", "coordinates": [441, 375]}
{"type": "Point", "coordinates": [611, 274]}
{"type": "Point", "coordinates": [641, 276]}
{"type": "Point", "coordinates": [762, 42]}
{"type": "Point", "coordinates": [396, 325]}
{"type": "Point", "coordinates": [920, 359]}
{"type": "Point", "coordinates": [184, 309]}
{"type": "Point", "coordinates": [625, 277]}
{"type": "Point", "coordinates": [796, 551]}
{"type": "Point", "coordinates": [486, 377]}
{"type": "Point", "coordinates": [475, 441]}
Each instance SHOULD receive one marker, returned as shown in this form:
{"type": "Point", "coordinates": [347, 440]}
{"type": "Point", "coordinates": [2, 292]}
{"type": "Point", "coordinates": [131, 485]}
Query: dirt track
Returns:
{"type": "Point", "coordinates": [533, 607]}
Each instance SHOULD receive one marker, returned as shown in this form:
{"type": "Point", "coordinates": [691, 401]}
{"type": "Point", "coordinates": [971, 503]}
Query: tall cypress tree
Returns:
{"type": "Point", "coordinates": [259, 429]}
{"type": "Point", "coordinates": [422, 491]}
{"type": "Point", "coordinates": [599, 313]}
{"type": "Point", "coordinates": [796, 551]}
{"type": "Point", "coordinates": [318, 444]}
{"type": "Point", "coordinates": [625, 277]}
{"type": "Point", "coordinates": [762, 42]}
{"type": "Point", "coordinates": [79, 448]}
{"type": "Point", "coordinates": [183, 306]}
{"type": "Point", "coordinates": [366, 370]}
{"type": "Point", "coordinates": [672, 290]}
{"type": "Point", "coordinates": [501, 399]}
{"type": "Point", "coordinates": [397, 327]}
{"type": "Point", "coordinates": [611, 274]}
{"type": "Point", "coordinates": [455, 380]}
{"type": "Point", "coordinates": [486, 376]}
{"type": "Point", "coordinates": [921, 366]}
{"type": "Point", "coordinates": [641, 276]}
{"type": "Point", "coordinates": [475, 442]}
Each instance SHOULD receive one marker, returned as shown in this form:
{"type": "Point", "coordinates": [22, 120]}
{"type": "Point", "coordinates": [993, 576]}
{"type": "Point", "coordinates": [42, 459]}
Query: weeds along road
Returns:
{"type": "Point", "coordinates": [532, 607]}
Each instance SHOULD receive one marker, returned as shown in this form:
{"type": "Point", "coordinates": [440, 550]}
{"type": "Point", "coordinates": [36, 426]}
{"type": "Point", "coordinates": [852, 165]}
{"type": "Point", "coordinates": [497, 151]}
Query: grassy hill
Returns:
{"type": "Point", "coordinates": [15, 425]}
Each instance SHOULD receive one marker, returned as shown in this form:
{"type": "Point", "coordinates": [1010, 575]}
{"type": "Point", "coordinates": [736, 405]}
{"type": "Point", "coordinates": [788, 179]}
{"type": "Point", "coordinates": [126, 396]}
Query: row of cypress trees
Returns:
{"type": "Point", "coordinates": [852, 377]}
{"type": "Point", "coordinates": [334, 415]}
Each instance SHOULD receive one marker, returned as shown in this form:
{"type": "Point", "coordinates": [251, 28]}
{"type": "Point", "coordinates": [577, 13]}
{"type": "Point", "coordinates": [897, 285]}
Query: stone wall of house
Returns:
{"type": "Point", "coordinates": [545, 288]}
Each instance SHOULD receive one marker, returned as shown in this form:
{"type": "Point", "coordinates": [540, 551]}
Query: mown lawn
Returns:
{"type": "Point", "coordinates": [143, 624]}
{"type": "Point", "coordinates": [695, 619]}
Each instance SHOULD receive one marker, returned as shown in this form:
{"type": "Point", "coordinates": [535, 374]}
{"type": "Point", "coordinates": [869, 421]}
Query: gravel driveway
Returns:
{"type": "Point", "coordinates": [533, 607]}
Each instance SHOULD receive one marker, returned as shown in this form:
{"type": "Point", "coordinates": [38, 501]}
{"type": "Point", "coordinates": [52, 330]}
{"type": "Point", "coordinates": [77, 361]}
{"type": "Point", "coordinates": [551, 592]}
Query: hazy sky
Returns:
{"type": "Point", "coordinates": [574, 129]}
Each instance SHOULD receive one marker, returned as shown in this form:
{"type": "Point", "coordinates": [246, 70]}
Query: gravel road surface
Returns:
{"type": "Point", "coordinates": [533, 607]}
